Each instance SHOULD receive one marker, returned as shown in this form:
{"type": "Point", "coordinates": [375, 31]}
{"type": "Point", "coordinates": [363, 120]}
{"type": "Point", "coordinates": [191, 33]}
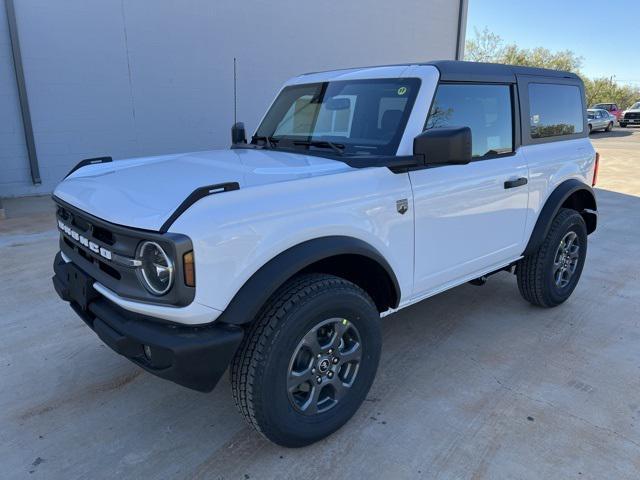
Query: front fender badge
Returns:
{"type": "Point", "coordinates": [402, 206]}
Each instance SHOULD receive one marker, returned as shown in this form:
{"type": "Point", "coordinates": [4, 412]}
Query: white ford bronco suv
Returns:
{"type": "Point", "coordinates": [362, 191]}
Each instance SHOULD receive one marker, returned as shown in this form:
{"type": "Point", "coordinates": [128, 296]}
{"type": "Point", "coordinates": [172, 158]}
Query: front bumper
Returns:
{"type": "Point", "coordinates": [195, 357]}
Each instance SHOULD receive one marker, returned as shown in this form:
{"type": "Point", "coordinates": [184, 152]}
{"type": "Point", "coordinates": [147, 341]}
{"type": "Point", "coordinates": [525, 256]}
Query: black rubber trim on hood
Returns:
{"type": "Point", "coordinates": [89, 161]}
{"type": "Point", "coordinates": [196, 195]}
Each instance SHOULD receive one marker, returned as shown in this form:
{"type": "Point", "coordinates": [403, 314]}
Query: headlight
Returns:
{"type": "Point", "coordinates": [157, 269]}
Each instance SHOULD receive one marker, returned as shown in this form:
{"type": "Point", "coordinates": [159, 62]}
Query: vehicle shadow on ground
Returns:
{"type": "Point", "coordinates": [618, 133]}
{"type": "Point", "coordinates": [446, 363]}
{"type": "Point", "coordinates": [466, 339]}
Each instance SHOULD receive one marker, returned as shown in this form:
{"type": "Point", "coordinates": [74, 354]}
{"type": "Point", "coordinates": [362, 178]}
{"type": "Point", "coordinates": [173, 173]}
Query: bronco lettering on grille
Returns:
{"type": "Point", "coordinates": [84, 241]}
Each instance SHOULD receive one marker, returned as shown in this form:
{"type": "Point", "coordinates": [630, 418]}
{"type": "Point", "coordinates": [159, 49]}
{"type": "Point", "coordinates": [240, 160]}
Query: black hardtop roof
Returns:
{"type": "Point", "coordinates": [462, 71]}
{"type": "Point", "coordinates": [456, 70]}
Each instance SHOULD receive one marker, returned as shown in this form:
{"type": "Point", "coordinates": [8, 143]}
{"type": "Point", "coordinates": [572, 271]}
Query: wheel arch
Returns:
{"type": "Point", "coordinates": [572, 194]}
{"type": "Point", "coordinates": [346, 257]}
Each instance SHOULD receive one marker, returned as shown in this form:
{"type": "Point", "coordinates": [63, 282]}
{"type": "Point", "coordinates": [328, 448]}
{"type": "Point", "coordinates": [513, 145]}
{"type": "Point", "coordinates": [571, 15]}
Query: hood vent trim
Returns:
{"type": "Point", "coordinates": [89, 161]}
{"type": "Point", "coordinates": [196, 195]}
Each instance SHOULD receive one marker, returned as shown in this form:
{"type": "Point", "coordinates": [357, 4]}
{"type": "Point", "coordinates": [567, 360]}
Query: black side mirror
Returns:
{"type": "Point", "coordinates": [238, 133]}
{"type": "Point", "coordinates": [446, 145]}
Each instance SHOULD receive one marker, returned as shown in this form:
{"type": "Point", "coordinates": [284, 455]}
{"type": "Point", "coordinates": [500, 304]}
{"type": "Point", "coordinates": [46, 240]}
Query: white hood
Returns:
{"type": "Point", "coordinates": [144, 192]}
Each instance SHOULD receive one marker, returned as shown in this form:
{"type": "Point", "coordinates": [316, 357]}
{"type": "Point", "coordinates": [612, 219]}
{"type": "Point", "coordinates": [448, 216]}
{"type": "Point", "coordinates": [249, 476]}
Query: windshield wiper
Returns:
{"type": "Point", "coordinates": [269, 142]}
{"type": "Point", "coordinates": [336, 147]}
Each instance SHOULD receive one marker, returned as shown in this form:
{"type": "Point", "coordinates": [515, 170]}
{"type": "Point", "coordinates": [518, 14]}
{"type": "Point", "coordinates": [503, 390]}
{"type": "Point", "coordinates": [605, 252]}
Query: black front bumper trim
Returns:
{"type": "Point", "coordinates": [195, 357]}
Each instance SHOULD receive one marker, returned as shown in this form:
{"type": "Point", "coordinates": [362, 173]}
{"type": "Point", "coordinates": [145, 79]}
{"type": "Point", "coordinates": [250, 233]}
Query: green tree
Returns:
{"type": "Point", "coordinates": [604, 90]}
{"type": "Point", "coordinates": [489, 47]}
{"type": "Point", "coordinates": [486, 46]}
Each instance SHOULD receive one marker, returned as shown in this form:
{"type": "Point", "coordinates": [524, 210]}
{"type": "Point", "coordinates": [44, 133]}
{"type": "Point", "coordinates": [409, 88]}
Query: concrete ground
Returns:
{"type": "Point", "coordinates": [474, 383]}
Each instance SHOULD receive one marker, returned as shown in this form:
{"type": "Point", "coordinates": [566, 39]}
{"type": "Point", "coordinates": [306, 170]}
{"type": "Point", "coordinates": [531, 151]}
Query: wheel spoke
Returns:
{"type": "Point", "coordinates": [339, 389]}
{"type": "Point", "coordinates": [557, 263]}
{"type": "Point", "coordinates": [558, 277]}
{"type": "Point", "coordinates": [353, 354]}
{"type": "Point", "coordinates": [311, 405]}
{"type": "Point", "coordinates": [311, 341]}
{"type": "Point", "coordinates": [298, 378]}
{"type": "Point", "coordinates": [339, 327]}
{"type": "Point", "coordinates": [574, 252]}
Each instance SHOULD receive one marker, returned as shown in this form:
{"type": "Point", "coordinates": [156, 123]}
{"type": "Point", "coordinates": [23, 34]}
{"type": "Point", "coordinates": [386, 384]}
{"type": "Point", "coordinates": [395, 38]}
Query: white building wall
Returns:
{"type": "Point", "coordinates": [141, 77]}
{"type": "Point", "coordinates": [14, 163]}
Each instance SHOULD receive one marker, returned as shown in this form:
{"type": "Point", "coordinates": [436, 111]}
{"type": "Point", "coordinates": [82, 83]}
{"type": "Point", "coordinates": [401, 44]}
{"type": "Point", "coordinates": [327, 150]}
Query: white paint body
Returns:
{"type": "Point", "coordinates": [461, 222]}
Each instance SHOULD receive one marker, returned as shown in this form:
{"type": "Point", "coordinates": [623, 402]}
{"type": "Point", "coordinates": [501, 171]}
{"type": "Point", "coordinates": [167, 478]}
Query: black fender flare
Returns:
{"type": "Point", "coordinates": [553, 204]}
{"type": "Point", "coordinates": [248, 301]}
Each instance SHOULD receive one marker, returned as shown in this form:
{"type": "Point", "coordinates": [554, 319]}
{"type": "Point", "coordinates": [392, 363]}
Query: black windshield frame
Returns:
{"type": "Point", "coordinates": [356, 149]}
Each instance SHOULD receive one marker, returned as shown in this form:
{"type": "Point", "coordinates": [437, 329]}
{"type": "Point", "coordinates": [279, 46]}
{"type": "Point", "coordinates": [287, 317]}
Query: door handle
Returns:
{"type": "Point", "coordinates": [518, 182]}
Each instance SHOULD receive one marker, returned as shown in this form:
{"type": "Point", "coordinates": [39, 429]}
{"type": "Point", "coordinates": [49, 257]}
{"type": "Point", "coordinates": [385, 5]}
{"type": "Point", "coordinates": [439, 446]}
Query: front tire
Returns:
{"type": "Point", "coordinates": [548, 276]}
{"type": "Point", "coordinates": [308, 361]}
{"type": "Point", "coordinates": [609, 127]}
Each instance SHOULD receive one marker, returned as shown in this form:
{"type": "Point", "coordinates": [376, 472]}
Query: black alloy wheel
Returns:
{"type": "Point", "coordinates": [324, 366]}
{"type": "Point", "coordinates": [308, 361]}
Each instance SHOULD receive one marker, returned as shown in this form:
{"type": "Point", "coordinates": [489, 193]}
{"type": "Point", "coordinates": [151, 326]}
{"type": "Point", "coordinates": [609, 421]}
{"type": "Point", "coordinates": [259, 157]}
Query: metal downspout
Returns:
{"type": "Point", "coordinates": [22, 93]}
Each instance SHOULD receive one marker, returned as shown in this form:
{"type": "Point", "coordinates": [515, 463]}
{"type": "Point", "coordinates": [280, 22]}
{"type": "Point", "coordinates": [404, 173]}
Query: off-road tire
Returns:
{"type": "Point", "coordinates": [259, 370]}
{"type": "Point", "coordinates": [535, 272]}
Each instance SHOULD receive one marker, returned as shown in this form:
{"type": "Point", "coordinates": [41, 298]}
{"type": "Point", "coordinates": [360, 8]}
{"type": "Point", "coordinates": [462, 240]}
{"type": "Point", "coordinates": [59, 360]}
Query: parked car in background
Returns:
{"type": "Point", "coordinates": [612, 108]}
{"type": "Point", "coordinates": [599, 119]}
{"type": "Point", "coordinates": [631, 116]}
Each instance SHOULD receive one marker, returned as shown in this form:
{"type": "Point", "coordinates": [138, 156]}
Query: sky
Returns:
{"type": "Point", "coordinates": [595, 30]}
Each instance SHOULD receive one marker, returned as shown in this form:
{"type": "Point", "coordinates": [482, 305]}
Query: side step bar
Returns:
{"type": "Point", "coordinates": [483, 279]}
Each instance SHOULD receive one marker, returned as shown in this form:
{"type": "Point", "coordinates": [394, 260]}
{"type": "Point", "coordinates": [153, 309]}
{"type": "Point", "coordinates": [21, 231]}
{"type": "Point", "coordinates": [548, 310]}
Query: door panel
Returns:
{"type": "Point", "coordinates": [467, 218]}
{"type": "Point", "coordinates": [466, 221]}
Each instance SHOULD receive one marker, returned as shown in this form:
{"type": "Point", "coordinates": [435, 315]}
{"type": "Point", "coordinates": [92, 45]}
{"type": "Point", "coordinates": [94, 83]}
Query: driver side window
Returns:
{"type": "Point", "coordinates": [486, 109]}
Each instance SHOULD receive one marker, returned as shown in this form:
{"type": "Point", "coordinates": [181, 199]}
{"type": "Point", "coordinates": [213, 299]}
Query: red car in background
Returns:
{"type": "Point", "coordinates": [612, 108]}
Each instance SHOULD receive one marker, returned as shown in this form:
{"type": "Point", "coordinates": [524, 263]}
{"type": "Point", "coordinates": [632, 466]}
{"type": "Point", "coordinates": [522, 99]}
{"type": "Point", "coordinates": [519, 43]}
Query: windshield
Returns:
{"type": "Point", "coordinates": [605, 106]}
{"type": "Point", "coordinates": [353, 117]}
{"type": "Point", "coordinates": [635, 106]}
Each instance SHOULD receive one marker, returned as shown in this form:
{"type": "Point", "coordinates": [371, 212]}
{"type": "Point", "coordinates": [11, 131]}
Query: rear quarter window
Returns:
{"type": "Point", "coordinates": [555, 110]}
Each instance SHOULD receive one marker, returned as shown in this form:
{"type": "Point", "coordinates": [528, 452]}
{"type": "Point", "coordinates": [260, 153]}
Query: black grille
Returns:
{"type": "Point", "coordinates": [122, 241]}
{"type": "Point", "coordinates": [631, 115]}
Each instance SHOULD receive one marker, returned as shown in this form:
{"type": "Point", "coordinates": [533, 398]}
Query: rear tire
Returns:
{"type": "Point", "coordinates": [548, 276]}
{"type": "Point", "coordinates": [280, 385]}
